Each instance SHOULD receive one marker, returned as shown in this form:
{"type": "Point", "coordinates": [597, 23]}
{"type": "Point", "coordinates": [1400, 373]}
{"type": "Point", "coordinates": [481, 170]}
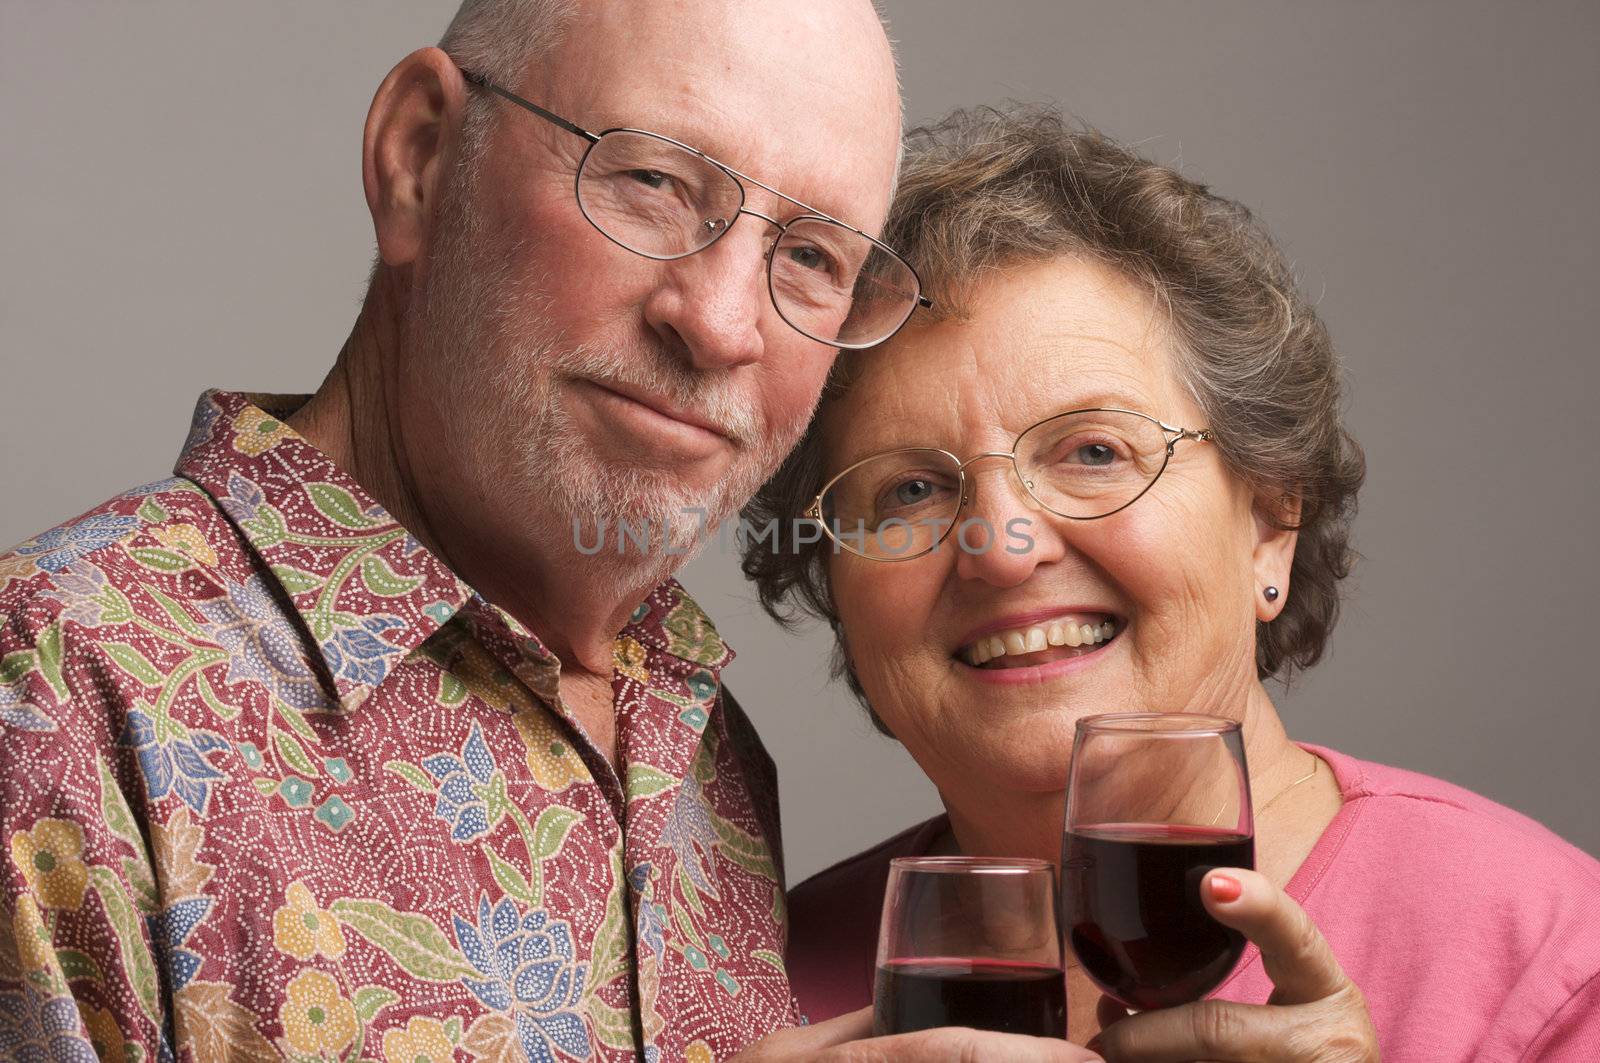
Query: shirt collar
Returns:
{"type": "Point", "coordinates": [366, 590]}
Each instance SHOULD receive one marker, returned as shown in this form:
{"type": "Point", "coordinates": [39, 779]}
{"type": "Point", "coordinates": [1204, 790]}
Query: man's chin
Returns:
{"type": "Point", "coordinates": [598, 496]}
{"type": "Point", "coordinates": [640, 503]}
{"type": "Point", "coordinates": [667, 474]}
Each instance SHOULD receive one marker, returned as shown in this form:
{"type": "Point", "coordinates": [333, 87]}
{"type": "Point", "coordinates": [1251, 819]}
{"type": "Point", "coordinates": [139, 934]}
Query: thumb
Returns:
{"type": "Point", "coordinates": [1293, 951]}
{"type": "Point", "coordinates": [851, 1026]}
{"type": "Point", "coordinates": [1109, 1011]}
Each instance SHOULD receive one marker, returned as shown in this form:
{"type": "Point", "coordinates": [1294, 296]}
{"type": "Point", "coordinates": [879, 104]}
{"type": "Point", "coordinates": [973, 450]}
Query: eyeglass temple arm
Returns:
{"type": "Point", "coordinates": [549, 116]}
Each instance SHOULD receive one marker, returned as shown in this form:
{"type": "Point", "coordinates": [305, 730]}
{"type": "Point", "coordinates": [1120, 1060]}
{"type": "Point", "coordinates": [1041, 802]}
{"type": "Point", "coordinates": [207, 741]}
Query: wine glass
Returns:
{"type": "Point", "coordinates": [1155, 801]}
{"type": "Point", "coordinates": [970, 941]}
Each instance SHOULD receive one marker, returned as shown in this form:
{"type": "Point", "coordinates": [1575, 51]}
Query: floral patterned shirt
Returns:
{"type": "Point", "coordinates": [274, 782]}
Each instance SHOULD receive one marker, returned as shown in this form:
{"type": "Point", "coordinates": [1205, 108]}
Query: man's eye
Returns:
{"type": "Point", "coordinates": [650, 178]}
{"type": "Point", "coordinates": [808, 258]}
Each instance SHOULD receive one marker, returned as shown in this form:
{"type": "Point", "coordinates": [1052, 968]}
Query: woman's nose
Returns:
{"type": "Point", "coordinates": [714, 300]}
{"type": "Point", "coordinates": [1002, 534]}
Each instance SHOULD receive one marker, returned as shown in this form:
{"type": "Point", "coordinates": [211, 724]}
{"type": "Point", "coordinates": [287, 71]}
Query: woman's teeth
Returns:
{"type": "Point", "coordinates": [1026, 640]}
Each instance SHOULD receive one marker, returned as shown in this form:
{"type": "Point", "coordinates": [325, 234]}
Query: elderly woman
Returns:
{"type": "Point", "coordinates": [1108, 474]}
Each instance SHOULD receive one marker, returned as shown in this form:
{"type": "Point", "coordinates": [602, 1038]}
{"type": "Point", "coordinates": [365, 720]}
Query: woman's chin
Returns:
{"type": "Point", "coordinates": [1029, 768]}
{"type": "Point", "coordinates": [1007, 754]}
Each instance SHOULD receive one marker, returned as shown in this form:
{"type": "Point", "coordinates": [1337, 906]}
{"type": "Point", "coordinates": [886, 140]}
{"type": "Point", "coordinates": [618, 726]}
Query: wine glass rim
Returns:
{"type": "Point", "coordinates": [1171, 723]}
{"type": "Point", "coordinates": [974, 865]}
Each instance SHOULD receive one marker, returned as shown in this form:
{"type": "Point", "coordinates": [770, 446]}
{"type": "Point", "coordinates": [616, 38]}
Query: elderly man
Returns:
{"type": "Point", "coordinates": [335, 745]}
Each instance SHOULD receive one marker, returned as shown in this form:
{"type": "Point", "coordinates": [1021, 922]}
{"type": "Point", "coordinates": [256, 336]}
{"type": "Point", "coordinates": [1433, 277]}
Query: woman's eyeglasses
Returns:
{"type": "Point", "coordinates": [1082, 465]}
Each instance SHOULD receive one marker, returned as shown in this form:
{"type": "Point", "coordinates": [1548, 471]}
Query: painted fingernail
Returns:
{"type": "Point", "coordinates": [1225, 888]}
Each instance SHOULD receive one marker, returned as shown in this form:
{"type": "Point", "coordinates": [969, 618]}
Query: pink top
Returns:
{"type": "Point", "coordinates": [1473, 931]}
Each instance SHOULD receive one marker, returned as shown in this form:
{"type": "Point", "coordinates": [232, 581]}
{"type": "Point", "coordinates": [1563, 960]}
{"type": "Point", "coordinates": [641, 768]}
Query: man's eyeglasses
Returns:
{"type": "Point", "coordinates": [665, 200]}
{"type": "Point", "coordinates": [1082, 464]}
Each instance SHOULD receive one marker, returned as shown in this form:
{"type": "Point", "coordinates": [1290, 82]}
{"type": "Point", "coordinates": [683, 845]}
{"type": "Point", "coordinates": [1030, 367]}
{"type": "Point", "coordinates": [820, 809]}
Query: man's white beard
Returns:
{"type": "Point", "coordinates": [498, 366]}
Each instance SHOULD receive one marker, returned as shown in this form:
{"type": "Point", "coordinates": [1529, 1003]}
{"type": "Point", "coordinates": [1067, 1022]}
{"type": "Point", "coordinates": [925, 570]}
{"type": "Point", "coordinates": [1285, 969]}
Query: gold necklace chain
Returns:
{"type": "Point", "coordinates": [1316, 763]}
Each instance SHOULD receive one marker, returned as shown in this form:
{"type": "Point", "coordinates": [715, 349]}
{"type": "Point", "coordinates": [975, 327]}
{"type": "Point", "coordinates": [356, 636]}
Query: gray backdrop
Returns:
{"type": "Point", "coordinates": [181, 207]}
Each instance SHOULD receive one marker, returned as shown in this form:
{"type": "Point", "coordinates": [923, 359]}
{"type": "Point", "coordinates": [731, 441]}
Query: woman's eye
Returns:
{"type": "Point", "coordinates": [912, 491]}
{"type": "Point", "coordinates": [908, 494]}
{"type": "Point", "coordinates": [1094, 454]}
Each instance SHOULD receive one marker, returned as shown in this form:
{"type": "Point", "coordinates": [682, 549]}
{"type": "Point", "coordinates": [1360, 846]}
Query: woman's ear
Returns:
{"type": "Point", "coordinates": [1277, 519]}
{"type": "Point", "coordinates": [411, 127]}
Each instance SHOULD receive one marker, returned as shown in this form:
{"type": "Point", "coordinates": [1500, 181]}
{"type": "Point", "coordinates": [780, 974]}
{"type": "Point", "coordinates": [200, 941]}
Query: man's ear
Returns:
{"type": "Point", "coordinates": [1277, 519]}
{"type": "Point", "coordinates": [412, 126]}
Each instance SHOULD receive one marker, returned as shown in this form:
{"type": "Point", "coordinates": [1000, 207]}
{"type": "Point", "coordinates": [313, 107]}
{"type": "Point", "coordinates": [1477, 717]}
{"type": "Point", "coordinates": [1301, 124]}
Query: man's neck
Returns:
{"type": "Point", "coordinates": [352, 419]}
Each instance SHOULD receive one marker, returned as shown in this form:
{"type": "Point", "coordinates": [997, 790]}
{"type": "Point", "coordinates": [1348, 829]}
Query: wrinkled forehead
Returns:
{"type": "Point", "coordinates": [1035, 341]}
{"type": "Point", "coordinates": [802, 97]}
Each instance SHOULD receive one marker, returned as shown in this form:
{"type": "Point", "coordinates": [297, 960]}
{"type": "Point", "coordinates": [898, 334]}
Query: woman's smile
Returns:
{"type": "Point", "coordinates": [1028, 646]}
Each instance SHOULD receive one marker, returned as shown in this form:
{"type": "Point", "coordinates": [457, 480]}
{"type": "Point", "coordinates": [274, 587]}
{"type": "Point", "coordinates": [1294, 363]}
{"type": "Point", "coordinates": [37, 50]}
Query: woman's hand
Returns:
{"type": "Point", "coordinates": [1315, 1013]}
{"type": "Point", "coordinates": [848, 1039]}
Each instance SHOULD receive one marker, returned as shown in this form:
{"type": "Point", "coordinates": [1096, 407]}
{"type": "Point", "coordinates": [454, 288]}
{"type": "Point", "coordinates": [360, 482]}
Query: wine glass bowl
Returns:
{"type": "Point", "coordinates": [1155, 801]}
{"type": "Point", "coordinates": [970, 941]}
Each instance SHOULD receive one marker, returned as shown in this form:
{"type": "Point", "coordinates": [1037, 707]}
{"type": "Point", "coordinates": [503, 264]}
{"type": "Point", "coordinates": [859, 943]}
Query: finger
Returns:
{"type": "Point", "coordinates": [1296, 957]}
{"type": "Point", "coordinates": [806, 1042]}
{"type": "Point", "coordinates": [851, 1026]}
{"type": "Point", "coordinates": [1210, 1029]}
{"type": "Point", "coordinates": [961, 1045]}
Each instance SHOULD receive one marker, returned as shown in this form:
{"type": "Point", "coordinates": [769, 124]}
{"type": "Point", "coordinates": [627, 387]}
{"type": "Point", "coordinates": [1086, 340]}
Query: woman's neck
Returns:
{"type": "Point", "coordinates": [989, 820]}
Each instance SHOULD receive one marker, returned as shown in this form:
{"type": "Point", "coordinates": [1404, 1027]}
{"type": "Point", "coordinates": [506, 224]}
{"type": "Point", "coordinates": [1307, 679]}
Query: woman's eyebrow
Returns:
{"type": "Point", "coordinates": [1106, 399]}
{"type": "Point", "coordinates": [923, 440]}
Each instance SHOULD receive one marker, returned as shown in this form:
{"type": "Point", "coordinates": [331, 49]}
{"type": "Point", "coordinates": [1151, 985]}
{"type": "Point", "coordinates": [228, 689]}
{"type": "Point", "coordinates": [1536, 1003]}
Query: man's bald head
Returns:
{"type": "Point", "coordinates": [502, 39]}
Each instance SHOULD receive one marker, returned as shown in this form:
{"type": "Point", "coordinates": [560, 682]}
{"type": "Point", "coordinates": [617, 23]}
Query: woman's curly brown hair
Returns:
{"type": "Point", "coordinates": [985, 190]}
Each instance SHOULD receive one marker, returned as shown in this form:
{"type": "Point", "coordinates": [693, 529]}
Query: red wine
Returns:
{"type": "Point", "coordinates": [1026, 998]}
{"type": "Point", "coordinates": [1133, 911]}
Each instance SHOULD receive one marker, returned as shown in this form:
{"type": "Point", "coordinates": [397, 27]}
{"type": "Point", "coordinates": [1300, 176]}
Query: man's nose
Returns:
{"type": "Point", "coordinates": [714, 300]}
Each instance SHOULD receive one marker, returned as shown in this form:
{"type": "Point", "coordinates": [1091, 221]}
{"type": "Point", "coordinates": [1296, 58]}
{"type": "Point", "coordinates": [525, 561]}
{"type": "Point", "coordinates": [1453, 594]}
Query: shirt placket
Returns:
{"type": "Point", "coordinates": [660, 733]}
{"type": "Point", "coordinates": [525, 657]}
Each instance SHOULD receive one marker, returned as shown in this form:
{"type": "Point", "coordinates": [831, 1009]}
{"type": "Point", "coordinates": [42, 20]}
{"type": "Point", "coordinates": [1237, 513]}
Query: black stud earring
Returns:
{"type": "Point", "coordinates": [1271, 594]}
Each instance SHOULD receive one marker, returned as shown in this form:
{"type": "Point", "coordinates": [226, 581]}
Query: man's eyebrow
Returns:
{"type": "Point", "coordinates": [796, 202]}
{"type": "Point", "coordinates": [718, 145]}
